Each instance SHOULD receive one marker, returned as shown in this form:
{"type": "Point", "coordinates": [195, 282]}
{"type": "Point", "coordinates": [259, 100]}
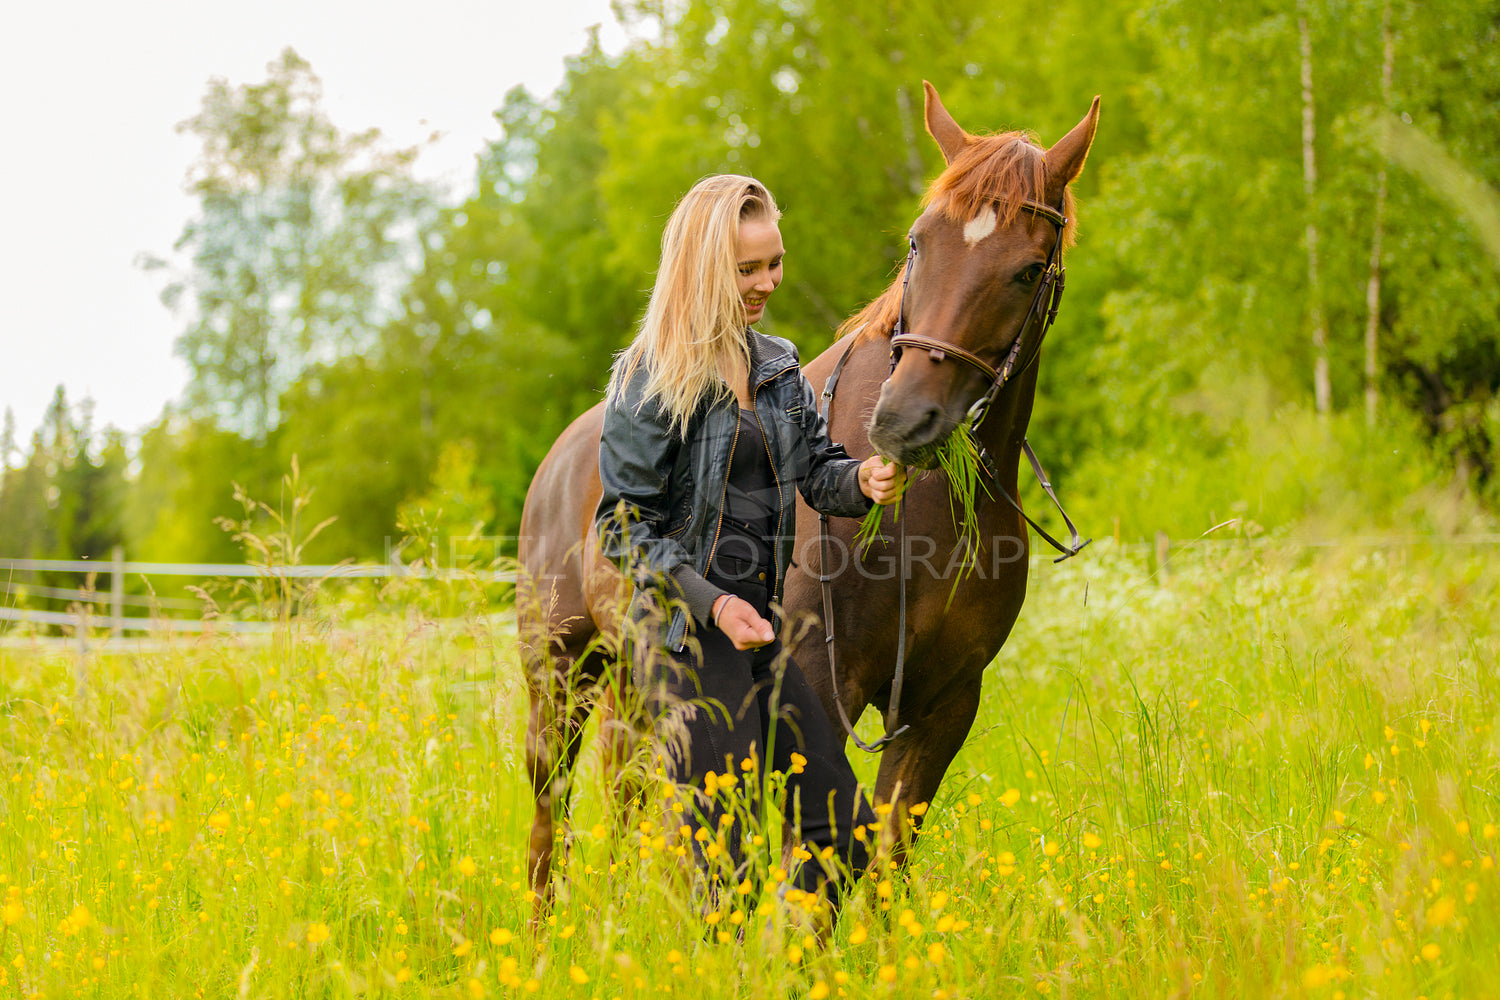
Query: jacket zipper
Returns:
{"type": "Point", "coordinates": [723, 498]}
{"type": "Point", "coordinates": [724, 495]}
{"type": "Point", "coordinates": [780, 506]}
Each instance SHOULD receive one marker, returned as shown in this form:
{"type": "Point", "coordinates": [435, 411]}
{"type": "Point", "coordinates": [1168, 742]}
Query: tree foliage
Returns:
{"type": "Point", "coordinates": [304, 238]}
{"type": "Point", "coordinates": [64, 500]}
{"type": "Point", "coordinates": [335, 313]}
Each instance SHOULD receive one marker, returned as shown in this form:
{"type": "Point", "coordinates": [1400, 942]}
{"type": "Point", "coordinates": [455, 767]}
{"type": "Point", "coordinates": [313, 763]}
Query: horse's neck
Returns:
{"type": "Point", "coordinates": [1004, 430]}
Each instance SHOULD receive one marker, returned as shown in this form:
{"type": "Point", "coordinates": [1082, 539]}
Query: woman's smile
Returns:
{"type": "Point", "coordinates": [759, 253]}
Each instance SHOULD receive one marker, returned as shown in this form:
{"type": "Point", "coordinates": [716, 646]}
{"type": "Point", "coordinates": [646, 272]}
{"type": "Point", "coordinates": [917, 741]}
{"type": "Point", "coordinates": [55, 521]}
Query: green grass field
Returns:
{"type": "Point", "coordinates": [1272, 772]}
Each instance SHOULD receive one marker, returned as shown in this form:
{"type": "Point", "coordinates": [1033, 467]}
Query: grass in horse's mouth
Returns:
{"type": "Point", "coordinates": [958, 458]}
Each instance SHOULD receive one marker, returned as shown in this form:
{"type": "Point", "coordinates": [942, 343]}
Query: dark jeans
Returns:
{"type": "Point", "coordinates": [715, 709]}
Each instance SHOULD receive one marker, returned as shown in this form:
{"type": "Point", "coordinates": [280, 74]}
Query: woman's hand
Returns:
{"type": "Point", "coordinates": [882, 481]}
{"type": "Point", "coordinates": [738, 619]}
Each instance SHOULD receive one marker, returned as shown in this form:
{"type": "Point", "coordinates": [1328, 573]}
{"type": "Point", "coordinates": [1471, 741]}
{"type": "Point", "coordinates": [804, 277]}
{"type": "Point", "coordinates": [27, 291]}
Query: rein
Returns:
{"type": "Point", "coordinates": [1042, 313]}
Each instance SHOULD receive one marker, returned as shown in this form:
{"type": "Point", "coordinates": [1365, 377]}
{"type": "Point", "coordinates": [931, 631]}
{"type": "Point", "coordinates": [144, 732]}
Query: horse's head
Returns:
{"type": "Point", "coordinates": [984, 257]}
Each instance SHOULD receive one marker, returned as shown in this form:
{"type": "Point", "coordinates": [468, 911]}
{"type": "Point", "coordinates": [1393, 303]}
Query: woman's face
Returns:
{"type": "Point", "coordinates": [758, 254]}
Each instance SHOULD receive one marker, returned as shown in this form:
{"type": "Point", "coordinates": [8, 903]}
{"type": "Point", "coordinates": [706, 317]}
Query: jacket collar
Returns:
{"type": "Point", "coordinates": [768, 355]}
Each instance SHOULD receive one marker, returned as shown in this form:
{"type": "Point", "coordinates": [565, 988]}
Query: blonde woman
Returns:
{"type": "Point", "coordinates": [709, 426]}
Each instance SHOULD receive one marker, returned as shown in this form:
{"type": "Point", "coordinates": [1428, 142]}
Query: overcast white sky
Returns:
{"type": "Point", "coordinates": [93, 168]}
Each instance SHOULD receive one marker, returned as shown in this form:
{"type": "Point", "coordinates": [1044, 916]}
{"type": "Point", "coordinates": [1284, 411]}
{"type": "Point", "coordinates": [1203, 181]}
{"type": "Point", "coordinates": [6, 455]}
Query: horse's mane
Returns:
{"type": "Point", "coordinates": [1006, 171]}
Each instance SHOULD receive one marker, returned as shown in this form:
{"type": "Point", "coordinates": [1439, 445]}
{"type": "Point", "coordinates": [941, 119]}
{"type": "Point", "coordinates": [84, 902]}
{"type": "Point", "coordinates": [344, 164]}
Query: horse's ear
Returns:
{"type": "Point", "coordinates": [940, 125]}
{"type": "Point", "coordinates": [1065, 160]}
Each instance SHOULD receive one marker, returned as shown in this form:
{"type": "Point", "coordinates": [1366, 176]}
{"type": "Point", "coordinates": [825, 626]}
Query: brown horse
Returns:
{"type": "Point", "coordinates": [984, 253]}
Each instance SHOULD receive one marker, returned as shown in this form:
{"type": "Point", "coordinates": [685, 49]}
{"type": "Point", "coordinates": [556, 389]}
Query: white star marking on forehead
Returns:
{"type": "Point", "coordinates": [980, 226]}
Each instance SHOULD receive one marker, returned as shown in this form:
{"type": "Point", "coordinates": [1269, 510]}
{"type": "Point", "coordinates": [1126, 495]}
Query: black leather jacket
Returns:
{"type": "Point", "coordinates": [659, 516]}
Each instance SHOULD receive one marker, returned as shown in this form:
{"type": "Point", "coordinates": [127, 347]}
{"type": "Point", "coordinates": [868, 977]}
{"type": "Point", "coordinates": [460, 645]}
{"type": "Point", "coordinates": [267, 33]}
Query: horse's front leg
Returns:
{"type": "Point", "coordinates": [913, 764]}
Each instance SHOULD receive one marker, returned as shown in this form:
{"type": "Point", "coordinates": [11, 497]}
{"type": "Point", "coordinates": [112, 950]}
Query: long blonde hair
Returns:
{"type": "Point", "coordinates": [695, 322]}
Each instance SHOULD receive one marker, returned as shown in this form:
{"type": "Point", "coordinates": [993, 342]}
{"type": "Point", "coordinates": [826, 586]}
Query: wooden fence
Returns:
{"type": "Point", "coordinates": [82, 620]}
{"type": "Point", "coordinates": [118, 569]}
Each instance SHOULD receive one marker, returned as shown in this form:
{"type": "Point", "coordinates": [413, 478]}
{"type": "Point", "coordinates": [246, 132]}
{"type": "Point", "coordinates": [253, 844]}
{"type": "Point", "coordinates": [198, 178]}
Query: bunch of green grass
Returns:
{"type": "Point", "coordinates": [869, 528]}
{"type": "Point", "coordinates": [959, 460]}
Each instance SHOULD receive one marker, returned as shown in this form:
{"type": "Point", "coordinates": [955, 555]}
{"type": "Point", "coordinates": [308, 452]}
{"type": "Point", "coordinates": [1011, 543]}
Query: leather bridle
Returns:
{"type": "Point", "coordinates": [1042, 312]}
{"type": "Point", "coordinates": [1039, 317]}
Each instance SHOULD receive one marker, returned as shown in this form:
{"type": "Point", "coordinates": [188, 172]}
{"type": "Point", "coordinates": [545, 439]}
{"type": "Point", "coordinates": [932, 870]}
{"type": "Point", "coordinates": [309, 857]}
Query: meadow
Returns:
{"type": "Point", "coordinates": [1268, 770]}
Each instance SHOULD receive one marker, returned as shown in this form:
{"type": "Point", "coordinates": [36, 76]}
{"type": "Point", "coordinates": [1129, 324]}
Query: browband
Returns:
{"type": "Point", "coordinates": [1047, 212]}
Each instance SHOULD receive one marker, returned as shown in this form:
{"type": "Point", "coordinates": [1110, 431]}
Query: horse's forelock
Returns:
{"type": "Point", "coordinates": [1004, 171]}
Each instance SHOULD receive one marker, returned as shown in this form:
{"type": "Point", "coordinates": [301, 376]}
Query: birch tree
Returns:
{"type": "Point", "coordinates": [1372, 294]}
{"type": "Point", "coordinates": [1322, 388]}
{"type": "Point", "coordinates": [304, 238]}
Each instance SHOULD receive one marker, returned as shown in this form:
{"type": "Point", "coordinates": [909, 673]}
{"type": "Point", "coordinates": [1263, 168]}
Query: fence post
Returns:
{"type": "Point", "coordinates": [116, 591]}
{"type": "Point", "coordinates": [81, 659]}
{"type": "Point", "coordinates": [1163, 548]}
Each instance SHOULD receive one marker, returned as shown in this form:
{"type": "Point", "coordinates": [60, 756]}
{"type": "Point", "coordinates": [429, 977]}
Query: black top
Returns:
{"type": "Point", "coordinates": [751, 498]}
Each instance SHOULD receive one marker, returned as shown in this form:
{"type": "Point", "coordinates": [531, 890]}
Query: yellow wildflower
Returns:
{"type": "Point", "coordinates": [1441, 912]}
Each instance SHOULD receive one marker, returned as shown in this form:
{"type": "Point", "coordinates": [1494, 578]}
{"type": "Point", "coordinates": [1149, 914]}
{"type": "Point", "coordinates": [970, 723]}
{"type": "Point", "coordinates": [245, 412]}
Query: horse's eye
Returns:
{"type": "Point", "coordinates": [1029, 275]}
{"type": "Point", "coordinates": [911, 241]}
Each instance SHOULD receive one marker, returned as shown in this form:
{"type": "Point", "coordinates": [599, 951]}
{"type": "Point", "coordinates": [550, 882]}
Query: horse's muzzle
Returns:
{"type": "Point", "coordinates": [910, 434]}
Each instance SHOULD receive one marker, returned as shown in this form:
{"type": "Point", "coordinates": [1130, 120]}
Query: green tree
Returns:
{"type": "Point", "coordinates": [304, 238]}
{"type": "Point", "coordinates": [504, 334]}
{"type": "Point", "coordinates": [24, 531]}
{"type": "Point", "coordinates": [63, 501]}
{"type": "Point", "coordinates": [187, 470]}
{"type": "Point", "coordinates": [87, 484]}
{"type": "Point", "coordinates": [8, 447]}
{"type": "Point", "coordinates": [1205, 336]}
